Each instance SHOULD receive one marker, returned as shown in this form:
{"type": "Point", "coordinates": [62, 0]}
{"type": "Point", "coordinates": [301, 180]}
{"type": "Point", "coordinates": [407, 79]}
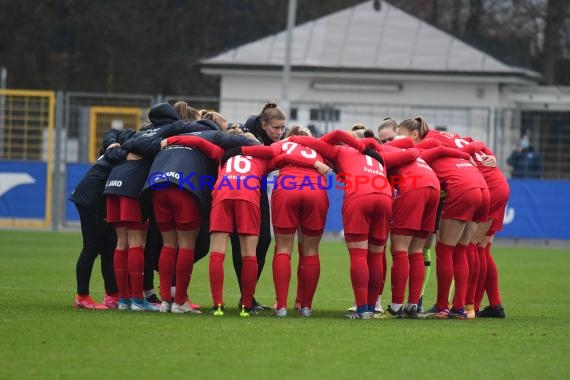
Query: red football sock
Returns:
{"type": "Point", "coordinates": [216, 269]}
{"type": "Point", "coordinates": [385, 266]}
{"type": "Point", "coordinates": [298, 297]}
{"type": "Point", "coordinates": [120, 260]}
{"type": "Point", "coordinates": [482, 277]}
{"type": "Point", "coordinates": [184, 267]}
{"type": "Point", "coordinates": [166, 265]}
{"type": "Point", "coordinates": [461, 275]}
{"type": "Point", "coordinates": [473, 262]}
{"type": "Point", "coordinates": [359, 275]}
{"type": "Point", "coordinates": [375, 276]}
{"type": "Point", "coordinates": [281, 278]}
{"type": "Point", "coordinates": [492, 282]}
{"type": "Point", "coordinates": [444, 273]}
{"type": "Point", "coordinates": [400, 269]}
{"type": "Point", "coordinates": [417, 273]}
{"type": "Point", "coordinates": [248, 280]}
{"type": "Point", "coordinates": [136, 271]}
{"type": "Point", "coordinates": [310, 272]}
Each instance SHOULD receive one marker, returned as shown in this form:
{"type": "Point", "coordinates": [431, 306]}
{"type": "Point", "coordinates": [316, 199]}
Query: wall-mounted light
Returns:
{"type": "Point", "coordinates": [358, 87]}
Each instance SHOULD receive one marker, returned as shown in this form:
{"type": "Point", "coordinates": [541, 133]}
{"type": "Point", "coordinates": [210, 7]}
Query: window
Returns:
{"type": "Point", "coordinates": [293, 114]}
{"type": "Point", "coordinates": [324, 114]}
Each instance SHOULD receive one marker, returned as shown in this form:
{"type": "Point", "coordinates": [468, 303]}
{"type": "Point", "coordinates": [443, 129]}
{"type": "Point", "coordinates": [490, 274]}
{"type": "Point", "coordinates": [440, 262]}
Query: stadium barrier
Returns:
{"type": "Point", "coordinates": [537, 210]}
{"type": "Point", "coordinates": [26, 143]}
{"type": "Point", "coordinates": [534, 209]}
{"type": "Point", "coordinates": [40, 127]}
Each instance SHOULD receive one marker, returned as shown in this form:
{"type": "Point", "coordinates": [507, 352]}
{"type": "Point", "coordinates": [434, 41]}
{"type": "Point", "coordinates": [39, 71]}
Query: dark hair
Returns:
{"type": "Point", "coordinates": [368, 133]}
{"type": "Point", "coordinates": [357, 126]}
{"type": "Point", "coordinates": [146, 126]}
{"type": "Point", "coordinates": [270, 112]}
{"type": "Point", "coordinates": [417, 124]}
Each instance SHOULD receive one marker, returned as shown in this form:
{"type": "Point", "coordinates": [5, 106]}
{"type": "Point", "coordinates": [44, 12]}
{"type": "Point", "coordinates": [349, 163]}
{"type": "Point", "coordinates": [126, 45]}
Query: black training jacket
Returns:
{"type": "Point", "coordinates": [89, 191]}
{"type": "Point", "coordinates": [128, 178]}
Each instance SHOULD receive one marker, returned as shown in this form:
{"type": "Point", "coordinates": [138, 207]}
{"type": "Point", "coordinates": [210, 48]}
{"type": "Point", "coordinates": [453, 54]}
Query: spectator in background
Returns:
{"type": "Point", "coordinates": [525, 161]}
{"type": "Point", "coordinates": [314, 130]}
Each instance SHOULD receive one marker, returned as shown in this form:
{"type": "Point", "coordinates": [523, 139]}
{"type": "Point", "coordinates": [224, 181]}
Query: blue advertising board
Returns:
{"type": "Point", "coordinates": [537, 209]}
{"type": "Point", "coordinates": [74, 174]}
{"type": "Point", "coordinates": [23, 191]}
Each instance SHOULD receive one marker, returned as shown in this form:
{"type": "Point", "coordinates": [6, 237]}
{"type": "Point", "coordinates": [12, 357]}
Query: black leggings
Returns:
{"type": "Point", "coordinates": [263, 243]}
{"type": "Point", "coordinates": [99, 238]}
{"type": "Point", "coordinates": [153, 245]}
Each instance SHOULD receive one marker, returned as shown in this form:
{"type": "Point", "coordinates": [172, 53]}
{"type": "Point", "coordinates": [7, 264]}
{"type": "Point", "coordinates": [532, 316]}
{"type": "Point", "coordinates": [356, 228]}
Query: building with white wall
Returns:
{"type": "Point", "coordinates": [361, 65]}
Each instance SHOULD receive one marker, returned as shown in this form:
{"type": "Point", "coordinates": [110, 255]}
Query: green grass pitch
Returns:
{"type": "Point", "coordinates": [42, 336]}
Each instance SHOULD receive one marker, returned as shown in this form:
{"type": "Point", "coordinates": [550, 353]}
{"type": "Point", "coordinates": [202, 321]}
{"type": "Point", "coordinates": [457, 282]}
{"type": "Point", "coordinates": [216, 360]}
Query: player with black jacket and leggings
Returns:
{"type": "Point", "coordinates": [99, 237]}
{"type": "Point", "coordinates": [268, 127]}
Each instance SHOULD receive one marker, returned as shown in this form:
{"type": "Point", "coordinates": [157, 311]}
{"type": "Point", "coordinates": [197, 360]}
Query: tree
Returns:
{"type": "Point", "coordinates": [551, 53]}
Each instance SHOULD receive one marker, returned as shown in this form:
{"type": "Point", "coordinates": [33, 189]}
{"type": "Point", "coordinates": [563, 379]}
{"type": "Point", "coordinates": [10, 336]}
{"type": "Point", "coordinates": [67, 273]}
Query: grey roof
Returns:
{"type": "Point", "coordinates": [361, 38]}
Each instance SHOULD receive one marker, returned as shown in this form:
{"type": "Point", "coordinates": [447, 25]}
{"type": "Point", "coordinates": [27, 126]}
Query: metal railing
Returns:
{"type": "Point", "coordinates": [30, 119]}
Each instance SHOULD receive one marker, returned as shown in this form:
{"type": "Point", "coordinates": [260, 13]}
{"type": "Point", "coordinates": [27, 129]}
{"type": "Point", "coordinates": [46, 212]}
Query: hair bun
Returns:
{"type": "Point", "coordinates": [269, 105]}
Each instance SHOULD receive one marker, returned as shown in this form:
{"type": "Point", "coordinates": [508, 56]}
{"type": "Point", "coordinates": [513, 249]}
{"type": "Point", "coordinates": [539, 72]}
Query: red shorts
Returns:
{"type": "Point", "coordinates": [366, 218]}
{"type": "Point", "coordinates": [415, 211]}
{"type": "Point", "coordinates": [125, 212]}
{"type": "Point", "coordinates": [304, 208]}
{"type": "Point", "coordinates": [471, 205]}
{"type": "Point", "coordinates": [229, 215]}
{"type": "Point", "coordinates": [175, 209]}
{"type": "Point", "coordinates": [499, 198]}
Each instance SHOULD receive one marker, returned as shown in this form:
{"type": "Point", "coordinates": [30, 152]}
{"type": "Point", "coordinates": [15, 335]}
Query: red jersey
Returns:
{"type": "Point", "coordinates": [408, 176]}
{"type": "Point", "coordinates": [492, 174]}
{"type": "Point", "coordinates": [295, 152]}
{"type": "Point", "coordinates": [309, 175]}
{"type": "Point", "coordinates": [241, 175]}
{"type": "Point", "coordinates": [360, 174]}
{"type": "Point", "coordinates": [455, 174]}
{"type": "Point", "coordinates": [240, 178]}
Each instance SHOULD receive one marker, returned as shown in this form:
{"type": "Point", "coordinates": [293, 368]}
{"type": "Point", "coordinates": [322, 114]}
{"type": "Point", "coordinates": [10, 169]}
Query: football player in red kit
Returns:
{"type": "Point", "coordinates": [235, 206]}
{"type": "Point", "coordinates": [416, 196]}
{"type": "Point", "coordinates": [465, 205]}
{"type": "Point", "coordinates": [483, 273]}
{"type": "Point", "coordinates": [299, 201]}
{"type": "Point", "coordinates": [366, 210]}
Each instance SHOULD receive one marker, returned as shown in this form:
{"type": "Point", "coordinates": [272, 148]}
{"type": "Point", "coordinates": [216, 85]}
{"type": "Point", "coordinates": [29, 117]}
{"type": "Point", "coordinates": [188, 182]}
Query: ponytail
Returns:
{"type": "Point", "coordinates": [417, 124]}
{"type": "Point", "coordinates": [423, 128]}
{"type": "Point", "coordinates": [270, 112]}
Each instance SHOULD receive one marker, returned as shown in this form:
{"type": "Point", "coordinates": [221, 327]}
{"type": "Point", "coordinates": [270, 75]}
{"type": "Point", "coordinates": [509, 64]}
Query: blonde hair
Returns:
{"type": "Point", "coordinates": [250, 136]}
{"type": "Point", "coordinates": [271, 111]}
{"type": "Point", "coordinates": [299, 130]}
{"type": "Point", "coordinates": [186, 112]}
{"type": "Point", "coordinates": [416, 124]}
{"type": "Point", "coordinates": [357, 133]}
{"type": "Point", "coordinates": [235, 131]}
{"type": "Point", "coordinates": [217, 118]}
